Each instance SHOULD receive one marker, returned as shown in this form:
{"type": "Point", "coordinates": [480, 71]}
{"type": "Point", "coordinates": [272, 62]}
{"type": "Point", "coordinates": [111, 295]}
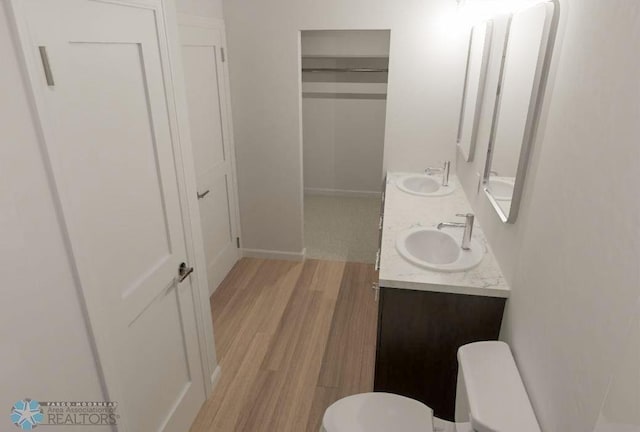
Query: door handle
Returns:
{"type": "Point", "coordinates": [184, 272]}
{"type": "Point", "coordinates": [376, 290]}
{"type": "Point", "coordinates": [203, 194]}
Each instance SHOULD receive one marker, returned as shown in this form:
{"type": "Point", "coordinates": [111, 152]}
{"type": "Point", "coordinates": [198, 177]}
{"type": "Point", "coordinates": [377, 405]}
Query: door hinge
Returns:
{"type": "Point", "coordinates": [238, 242]}
{"type": "Point", "coordinates": [222, 54]}
{"type": "Point", "coordinates": [47, 67]}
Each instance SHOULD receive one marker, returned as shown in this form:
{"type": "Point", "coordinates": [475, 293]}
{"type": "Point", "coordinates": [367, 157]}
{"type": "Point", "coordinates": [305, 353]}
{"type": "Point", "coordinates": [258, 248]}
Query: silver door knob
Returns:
{"type": "Point", "coordinates": [184, 272]}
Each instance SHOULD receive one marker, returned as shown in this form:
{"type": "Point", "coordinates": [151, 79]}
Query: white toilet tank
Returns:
{"type": "Point", "coordinates": [490, 393]}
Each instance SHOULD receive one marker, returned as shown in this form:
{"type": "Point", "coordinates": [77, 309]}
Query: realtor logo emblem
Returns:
{"type": "Point", "coordinates": [26, 414]}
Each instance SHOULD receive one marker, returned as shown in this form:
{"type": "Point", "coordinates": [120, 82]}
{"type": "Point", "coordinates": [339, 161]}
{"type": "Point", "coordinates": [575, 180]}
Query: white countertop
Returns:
{"type": "Point", "coordinates": [403, 211]}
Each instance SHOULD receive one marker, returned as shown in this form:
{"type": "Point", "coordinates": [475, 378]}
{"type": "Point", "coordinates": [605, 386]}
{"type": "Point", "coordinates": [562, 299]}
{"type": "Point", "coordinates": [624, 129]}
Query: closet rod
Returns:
{"type": "Point", "coordinates": [343, 70]}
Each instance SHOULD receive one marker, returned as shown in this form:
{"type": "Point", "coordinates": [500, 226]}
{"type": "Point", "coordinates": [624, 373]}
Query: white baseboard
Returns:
{"type": "Point", "coordinates": [342, 193]}
{"type": "Point", "coordinates": [272, 254]}
{"type": "Point", "coordinates": [215, 377]}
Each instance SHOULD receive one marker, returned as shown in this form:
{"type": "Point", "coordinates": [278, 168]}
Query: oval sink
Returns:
{"type": "Point", "coordinates": [501, 189]}
{"type": "Point", "coordinates": [423, 185]}
{"type": "Point", "coordinates": [438, 250]}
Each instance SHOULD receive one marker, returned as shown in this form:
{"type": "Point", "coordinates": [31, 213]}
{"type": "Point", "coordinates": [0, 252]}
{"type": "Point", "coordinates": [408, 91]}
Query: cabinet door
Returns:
{"type": "Point", "coordinates": [419, 334]}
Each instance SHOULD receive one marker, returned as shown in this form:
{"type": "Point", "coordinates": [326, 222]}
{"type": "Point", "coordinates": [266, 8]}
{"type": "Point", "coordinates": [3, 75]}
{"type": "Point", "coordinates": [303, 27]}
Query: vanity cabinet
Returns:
{"type": "Point", "coordinates": [425, 315]}
{"type": "Point", "coordinates": [419, 333]}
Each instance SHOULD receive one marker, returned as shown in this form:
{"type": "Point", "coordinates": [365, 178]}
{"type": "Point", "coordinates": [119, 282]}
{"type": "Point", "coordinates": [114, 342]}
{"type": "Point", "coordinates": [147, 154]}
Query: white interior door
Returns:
{"type": "Point", "coordinates": [110, 145]}
{"type": "Point", "coordinates": [207, 91]}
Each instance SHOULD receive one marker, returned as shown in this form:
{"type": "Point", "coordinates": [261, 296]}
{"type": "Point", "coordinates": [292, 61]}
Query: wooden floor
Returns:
{"type": "Point", "coordinates": [291, 339]}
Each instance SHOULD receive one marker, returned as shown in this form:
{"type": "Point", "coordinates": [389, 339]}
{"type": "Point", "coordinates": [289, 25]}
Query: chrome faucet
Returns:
{"type": "Point", "coordinates": [445, 170]}
{"type": "Point", "coordinates": [468, 229]}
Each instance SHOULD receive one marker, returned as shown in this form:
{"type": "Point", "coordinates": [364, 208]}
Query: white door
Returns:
{"type": "Point", "coordinates": [111, 150]}
{"type": "Point", "coordinates": [207, 92]}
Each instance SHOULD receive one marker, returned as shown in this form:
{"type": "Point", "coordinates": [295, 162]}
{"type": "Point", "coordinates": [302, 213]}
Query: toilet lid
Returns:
{"type": "Point", "coordinates": [378, 412]}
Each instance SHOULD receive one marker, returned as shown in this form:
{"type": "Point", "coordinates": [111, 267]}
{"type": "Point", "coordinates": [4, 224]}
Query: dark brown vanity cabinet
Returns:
{"type": "Point", "coordinates": [419, 333]}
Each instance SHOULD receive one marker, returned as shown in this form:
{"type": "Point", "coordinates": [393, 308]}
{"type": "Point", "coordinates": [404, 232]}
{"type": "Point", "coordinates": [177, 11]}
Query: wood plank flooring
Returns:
{"type": "Point", "coordinates": [291, 339]}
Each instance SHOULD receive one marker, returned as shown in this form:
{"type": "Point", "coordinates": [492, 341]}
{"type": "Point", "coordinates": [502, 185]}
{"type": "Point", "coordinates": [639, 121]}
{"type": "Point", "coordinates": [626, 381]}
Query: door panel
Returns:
{"type": "Point", "coordinates": [136, 214]}
{"type": "Point", "coordinates": [112, 157]}
{"type": "Point", "coordinates": [159, 367]}
{"type": "Point", "coordinates": [219, 240]}
{"type": "Point", "coordinates": [205, 115]}
{"type": "Point", "coordinates": [216, 234]}
{"type": "Point", "coordinates": [209, 120]}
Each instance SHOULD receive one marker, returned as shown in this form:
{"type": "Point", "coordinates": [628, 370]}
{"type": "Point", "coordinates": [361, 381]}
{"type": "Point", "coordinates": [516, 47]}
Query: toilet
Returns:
{"type": "Point", "coordinates": [490, 397]}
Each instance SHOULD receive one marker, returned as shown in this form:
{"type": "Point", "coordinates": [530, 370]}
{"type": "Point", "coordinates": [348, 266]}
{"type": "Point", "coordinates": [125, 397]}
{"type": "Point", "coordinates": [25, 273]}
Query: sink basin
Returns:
{"type": "Point", "coordinates": [439, 250]}
{"type": "Point", "coordinates": [501, 189]}
{"type": "Point", "coordinates": [423, 185]}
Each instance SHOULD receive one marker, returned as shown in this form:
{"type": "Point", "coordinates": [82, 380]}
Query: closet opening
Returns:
{"type": "Point", "coordinates": [344, 91]}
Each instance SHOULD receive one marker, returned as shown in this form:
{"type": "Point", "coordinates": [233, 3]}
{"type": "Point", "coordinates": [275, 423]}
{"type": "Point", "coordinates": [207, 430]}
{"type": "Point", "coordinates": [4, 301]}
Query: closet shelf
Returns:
{"type": "Point", "coordinates": [313, 70]}
{"type": "Point", "coordinates": [360, 96]}
{"type": "Point", "coordinates": [345, 56]}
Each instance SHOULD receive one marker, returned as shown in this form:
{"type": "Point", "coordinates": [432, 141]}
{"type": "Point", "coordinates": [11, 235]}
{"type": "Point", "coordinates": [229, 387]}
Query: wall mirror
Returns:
{"type": "Point", "coordinates": [523, 76]}
{"type": "Point", "coordinates": [474, 81]}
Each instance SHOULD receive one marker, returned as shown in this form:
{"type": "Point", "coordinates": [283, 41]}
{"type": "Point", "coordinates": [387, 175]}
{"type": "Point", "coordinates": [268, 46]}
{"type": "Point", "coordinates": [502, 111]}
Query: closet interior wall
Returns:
{"type": "Point", "coordinates": [344, 90]}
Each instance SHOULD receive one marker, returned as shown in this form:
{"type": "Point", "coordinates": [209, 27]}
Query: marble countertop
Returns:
{"type": "Point", "coordinates": [403, 211]}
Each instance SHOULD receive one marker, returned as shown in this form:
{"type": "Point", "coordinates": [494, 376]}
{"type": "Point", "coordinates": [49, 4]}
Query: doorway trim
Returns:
{"type": "Point", "coordinates": [324, 192]}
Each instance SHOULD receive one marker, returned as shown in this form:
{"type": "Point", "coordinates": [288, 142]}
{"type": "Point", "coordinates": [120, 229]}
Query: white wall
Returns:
{"type": "Point", "coordinates": [203, 8]}
{"type": "Point", "coordinates": [45, 350]}
{"type": "Point", "coordinates": [572, 256]}
{"type": "Point", "coordinates": [343, 144]}
{"type": "Point", "coordinates": [425, 87]}
{"type": "Point", "coordinates": [345, 43]}
{"type": "Point", "coordinates": [621, 408]}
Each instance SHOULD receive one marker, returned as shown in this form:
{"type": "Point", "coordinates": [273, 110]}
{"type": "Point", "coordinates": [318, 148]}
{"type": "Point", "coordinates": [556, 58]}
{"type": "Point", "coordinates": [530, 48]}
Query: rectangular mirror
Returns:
{"type": "Point", "coordinates": [477, 60]}
{"type": "Point", "coordinates": [524, 70]}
